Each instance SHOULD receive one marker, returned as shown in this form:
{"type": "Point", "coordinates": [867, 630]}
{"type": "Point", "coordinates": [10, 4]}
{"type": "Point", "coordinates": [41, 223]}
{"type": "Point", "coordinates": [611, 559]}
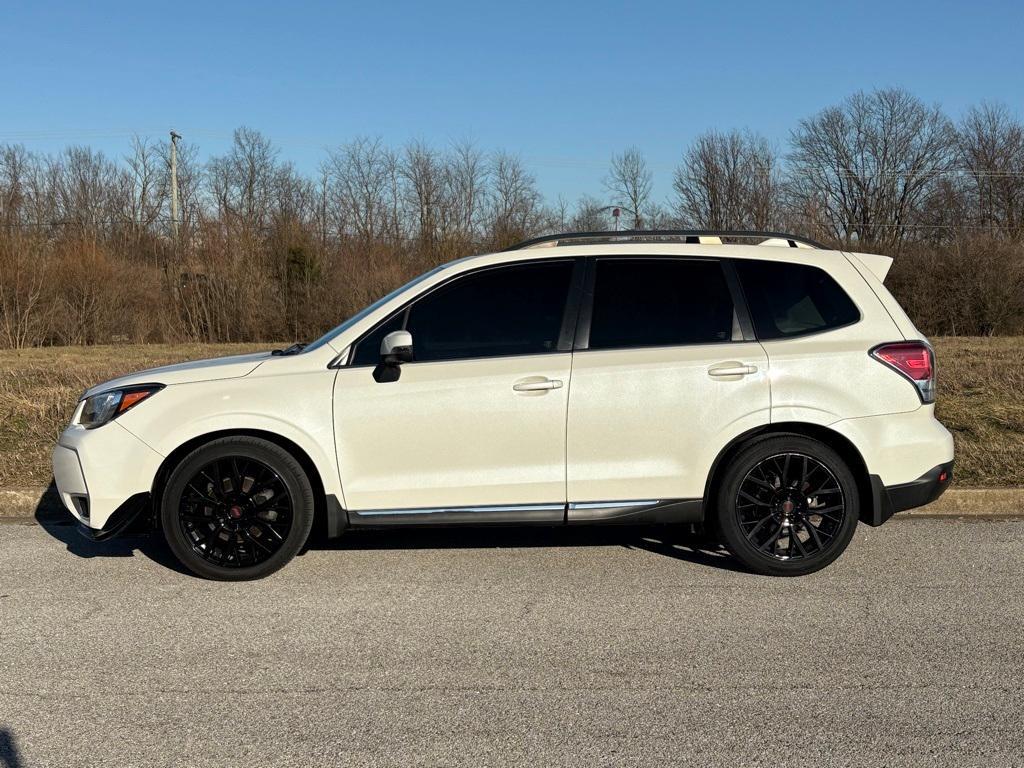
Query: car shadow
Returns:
{"type": "Point", "coordinates": [9, 756]}
{"type": "Point", "coordinates": [678, 542]}
{"type": "Point", "coordinates": [683, 543]}
{"type": "Point", "coordinates": [62, 526]}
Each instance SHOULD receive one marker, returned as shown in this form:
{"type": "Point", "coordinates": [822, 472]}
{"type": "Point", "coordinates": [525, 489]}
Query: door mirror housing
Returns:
{"type": "Point", "coordinates": [395, 349]}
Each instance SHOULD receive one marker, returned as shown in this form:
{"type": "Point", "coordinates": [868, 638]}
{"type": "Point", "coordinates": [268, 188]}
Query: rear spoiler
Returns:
{"type": "Point", "coordinates": [878, 265]}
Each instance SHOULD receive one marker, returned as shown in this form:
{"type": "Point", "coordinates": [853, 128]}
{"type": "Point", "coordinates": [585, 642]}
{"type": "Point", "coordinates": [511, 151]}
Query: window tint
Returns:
{"type": "Point", "coordinates": [513, 310]}
{"type": "Point", "coordinates": [793, 299]}
{"type": "Point", "coordinates": [368, 350]}
{"type": "Point", "coordinates": [659, 302]}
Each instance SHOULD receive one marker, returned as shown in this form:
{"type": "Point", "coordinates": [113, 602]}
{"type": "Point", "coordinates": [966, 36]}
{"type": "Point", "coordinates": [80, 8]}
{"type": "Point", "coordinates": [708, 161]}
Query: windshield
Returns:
{"type": "Point", "coordinates": [372, 308]}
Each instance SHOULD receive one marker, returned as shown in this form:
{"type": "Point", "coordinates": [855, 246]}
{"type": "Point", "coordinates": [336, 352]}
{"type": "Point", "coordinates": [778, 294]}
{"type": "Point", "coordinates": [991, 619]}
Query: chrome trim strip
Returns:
{"type": "Point", "coordinates": [612, 504]}
{"type": "Point", "coordinates": [441, 510]}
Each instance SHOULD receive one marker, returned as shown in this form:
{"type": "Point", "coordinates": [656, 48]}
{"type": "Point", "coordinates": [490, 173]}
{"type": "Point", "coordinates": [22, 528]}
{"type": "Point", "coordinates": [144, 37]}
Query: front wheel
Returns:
{"type": "Point", "coordinates": [787, 506]}
{"type": "Point", "coordinates": [237, 508]}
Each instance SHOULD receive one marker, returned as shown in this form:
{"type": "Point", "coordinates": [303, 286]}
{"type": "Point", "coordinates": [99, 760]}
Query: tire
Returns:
{"type": "Point", "coordinates": [781, 485]}
{"type": "Point", "coordinates": [236, 509]}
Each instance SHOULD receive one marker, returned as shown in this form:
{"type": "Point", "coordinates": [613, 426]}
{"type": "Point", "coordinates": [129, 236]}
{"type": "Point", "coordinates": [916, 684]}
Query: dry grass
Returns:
{"type": "Point", "coordinates": [981, 400]}
{"type": "Point", "coordinates": [39, 389]}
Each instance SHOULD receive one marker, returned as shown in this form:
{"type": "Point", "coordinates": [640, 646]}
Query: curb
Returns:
{"type": "Point", "coordinates": [27, 502]}
{"type": "Point", "coordinates": [993, 503]}
{"type": "Point", "coordinates": [974, 502]}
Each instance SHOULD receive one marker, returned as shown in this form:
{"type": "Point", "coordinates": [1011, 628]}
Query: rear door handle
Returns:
{"type": "Point", "coordinates": [731, 368]}
{"type": "Point", "coordinates": [536, 385]}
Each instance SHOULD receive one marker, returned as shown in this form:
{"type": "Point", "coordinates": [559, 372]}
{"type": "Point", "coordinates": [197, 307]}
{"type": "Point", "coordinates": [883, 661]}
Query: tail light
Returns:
{"type": "Point", "coordinates": [915, 361]}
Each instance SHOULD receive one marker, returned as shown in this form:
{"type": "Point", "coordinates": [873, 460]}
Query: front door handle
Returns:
{"type": "Point", "coordinates": [536, 384]}
{"type": "Point", "coordinates": [731, 369]}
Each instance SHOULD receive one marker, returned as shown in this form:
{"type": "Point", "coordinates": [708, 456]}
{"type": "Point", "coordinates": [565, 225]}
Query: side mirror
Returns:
{"type": "Point", "coordinates": [395, 349]}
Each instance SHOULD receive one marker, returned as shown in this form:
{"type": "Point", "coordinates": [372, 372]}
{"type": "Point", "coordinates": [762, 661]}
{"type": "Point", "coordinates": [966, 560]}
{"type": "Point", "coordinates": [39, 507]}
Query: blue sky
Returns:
{"type": "Point", "coordinates": [564, 85]}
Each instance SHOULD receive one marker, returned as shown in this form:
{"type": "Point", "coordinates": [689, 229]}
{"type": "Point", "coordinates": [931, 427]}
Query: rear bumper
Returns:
{"type": "Point", "coordinates": [888, 500]}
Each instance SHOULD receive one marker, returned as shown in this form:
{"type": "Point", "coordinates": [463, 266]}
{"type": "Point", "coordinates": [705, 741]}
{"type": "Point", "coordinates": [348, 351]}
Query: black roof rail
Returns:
{"type": "Point", "coordinates": [659, 234]}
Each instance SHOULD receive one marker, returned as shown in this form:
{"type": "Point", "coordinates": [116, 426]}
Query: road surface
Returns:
{"type": "Point", "coordinates": [516, 647]}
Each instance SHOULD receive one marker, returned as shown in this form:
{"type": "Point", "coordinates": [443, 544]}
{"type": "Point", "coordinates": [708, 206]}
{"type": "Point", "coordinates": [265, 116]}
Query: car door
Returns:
{"type": "Point", "coordinates": [474, 428]}
{"type": "Point", "coordinates": [665, 373]}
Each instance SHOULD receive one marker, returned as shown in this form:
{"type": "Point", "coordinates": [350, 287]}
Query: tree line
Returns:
{"type": "Point", "coordinates": [88, 253]}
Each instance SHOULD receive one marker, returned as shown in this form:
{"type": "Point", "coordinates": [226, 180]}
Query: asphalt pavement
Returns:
{"type": "Point", "coordinates": [530, 647]}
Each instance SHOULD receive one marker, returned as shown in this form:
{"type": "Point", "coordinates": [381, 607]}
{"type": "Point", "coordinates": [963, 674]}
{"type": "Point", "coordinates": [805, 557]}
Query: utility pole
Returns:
{"type": "Point", "coordinates": [174, 185]}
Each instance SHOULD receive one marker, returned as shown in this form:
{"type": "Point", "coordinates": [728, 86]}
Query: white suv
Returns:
{"type": "Point", "coordinates": [774, 391]}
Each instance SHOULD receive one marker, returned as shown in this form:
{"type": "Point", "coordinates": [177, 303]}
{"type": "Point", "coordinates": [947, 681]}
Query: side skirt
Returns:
{"type": "Point", "coordinates": [632, 512]}
{"type": "Point", "coordinates": [643, 512]}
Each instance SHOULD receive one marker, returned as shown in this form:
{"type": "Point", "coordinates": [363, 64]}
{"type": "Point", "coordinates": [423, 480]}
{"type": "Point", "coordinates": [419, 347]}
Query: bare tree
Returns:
{"type": "Point", "coordinates": [146, 194]}
{"type": "Point", "coordinates": [465, 176]}
{"type": "Point", "coordinates": [591, 215]}
{"type": "Point", "coordinates": [15, 167]}
{"type": "Point", "coordinates": [241, 181]}
{"type": "Point", "coordinates": [629, 184]}
{"type": "Point", "coordinates": [728, 181]}
{"type": "Point", "coordinates": [990, 143]}
{"type": "Point", "coordinates": [421, 173]}
{"type": "Point", "coordinates": [267, 252]}
{"type": "Point", "coordinates": [23, 275]}
{"type": "Point", "coordinates": [86, 188]}
{"type": "Point", "coordinates": [864, 170]}
{"type": "Point", "coordinates": [361, 190]}
{"type": "Point", "coordinates": [515, 209]}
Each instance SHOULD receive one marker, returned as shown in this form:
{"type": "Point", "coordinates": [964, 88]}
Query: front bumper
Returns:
{"type": "Point", "coordinates": [136, 509]}
{"type": "Point", "coordinates": [101, 473]}
{"type": "Point", "coordinates": [888, 500]}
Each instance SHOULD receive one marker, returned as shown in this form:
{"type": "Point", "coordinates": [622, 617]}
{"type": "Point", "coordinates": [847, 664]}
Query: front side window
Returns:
{"type": "Point", "coordinates": [659, 302]}
{"type": "Point", "coordinates": [510, 310]}
{"type": "Point", "coordinates": [367, 351]}
{"type": "Point", "coordinates": [789, 300]}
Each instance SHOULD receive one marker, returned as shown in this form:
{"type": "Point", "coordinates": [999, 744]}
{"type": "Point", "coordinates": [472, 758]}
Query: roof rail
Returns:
{"type": "Point", "coordinates": [691, 236]}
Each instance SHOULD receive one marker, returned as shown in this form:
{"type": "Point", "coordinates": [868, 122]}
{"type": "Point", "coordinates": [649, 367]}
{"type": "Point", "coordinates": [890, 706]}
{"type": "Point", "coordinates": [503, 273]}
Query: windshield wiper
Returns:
{"type": "Point", "coordinates": [294, 349]}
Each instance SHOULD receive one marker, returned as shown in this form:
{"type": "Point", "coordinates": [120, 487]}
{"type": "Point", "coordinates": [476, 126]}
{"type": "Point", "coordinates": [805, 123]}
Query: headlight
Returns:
{"type": "Point", "coordinates": [97, 410]}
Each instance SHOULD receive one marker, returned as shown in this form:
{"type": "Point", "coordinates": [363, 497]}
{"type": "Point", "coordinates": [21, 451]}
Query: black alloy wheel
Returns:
{"type": "Point", "coordinates": [790, 506]}
{"type": "Point", "coordinates": [787, 506]}
{"type": "Point", "coordinates": [235, 511]}
{"type": "Point", "coordinates": [237, 508]}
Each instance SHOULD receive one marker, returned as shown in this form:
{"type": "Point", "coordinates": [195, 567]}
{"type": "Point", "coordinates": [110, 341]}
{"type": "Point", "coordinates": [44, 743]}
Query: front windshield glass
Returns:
{"type": "Point", "coordinates": [372, 308]}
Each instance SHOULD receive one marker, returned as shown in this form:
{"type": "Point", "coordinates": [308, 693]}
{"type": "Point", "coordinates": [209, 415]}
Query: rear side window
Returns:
{"type": "Point", "coordinates": [793, 299]}
{"type": "Point", "coordinates": [659, 302]}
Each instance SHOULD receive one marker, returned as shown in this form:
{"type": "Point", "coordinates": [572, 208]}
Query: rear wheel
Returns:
{"type": "Point", "coordinates": [237, 508]}
{"type": "Point", "coordinates": [787, 506]}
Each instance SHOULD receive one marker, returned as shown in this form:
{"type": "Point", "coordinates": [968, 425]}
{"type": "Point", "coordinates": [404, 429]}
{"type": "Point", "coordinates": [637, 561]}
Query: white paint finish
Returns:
{"type": "Point", "coordinates": [643, 423]}
{"type": "Point", "coordinates": [648, 423]}
{"type": "Point", "coordinates": [899, 448]}
{"type": "Point", "coordinates": [288, 396]}
{"type": "Point", "coordinates": [67, 474]}
{"type": "Point", "coordinates": [889, 304]}
{"type": "Point", "coordinates": [191, 372]}
{"type": "Point", "coordinates": [453, 434]}
{"type": "Point", "coordinates": [830, 376]}
{"type": "Point", "coordinates": [114, 465]}
{"type": "Point", "coordinates": [878, 265]}
{"type": "Point", "coordinates": [823, 377]}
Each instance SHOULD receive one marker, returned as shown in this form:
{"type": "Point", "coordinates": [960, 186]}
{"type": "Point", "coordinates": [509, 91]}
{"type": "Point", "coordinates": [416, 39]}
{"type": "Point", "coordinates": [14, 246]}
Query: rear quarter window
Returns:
{"type": "Point", "coordinates": [788, 300]}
